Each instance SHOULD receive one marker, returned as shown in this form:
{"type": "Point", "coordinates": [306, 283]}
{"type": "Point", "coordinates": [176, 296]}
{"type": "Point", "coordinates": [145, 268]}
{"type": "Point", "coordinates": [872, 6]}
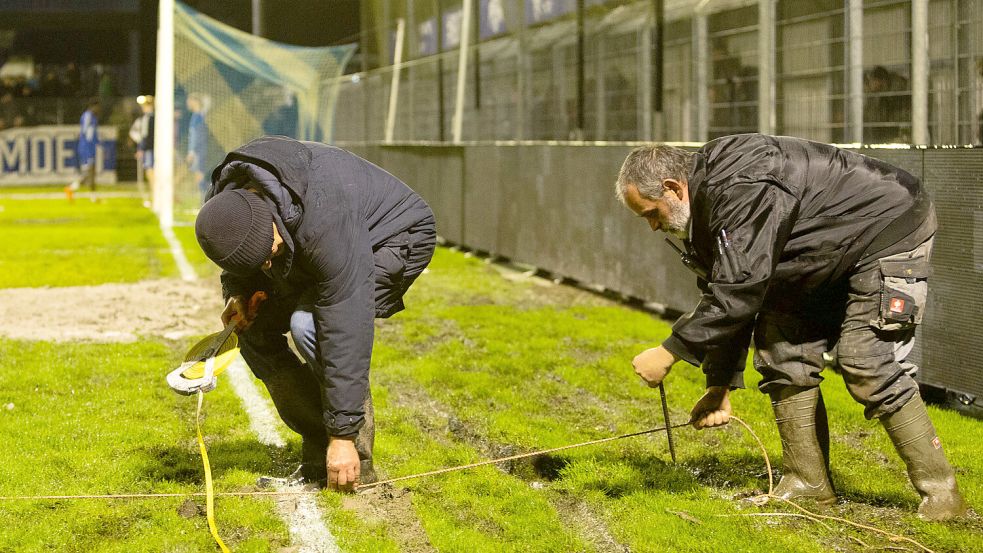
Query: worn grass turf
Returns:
{"type": "Point", "coordinates": [479, 367]}
{"type": "Point", "coordinates": [98, 419]}
{"type": "Point", "coordinates": [56, 243]}
{"type": "Point", "coordinates": [482, 364]}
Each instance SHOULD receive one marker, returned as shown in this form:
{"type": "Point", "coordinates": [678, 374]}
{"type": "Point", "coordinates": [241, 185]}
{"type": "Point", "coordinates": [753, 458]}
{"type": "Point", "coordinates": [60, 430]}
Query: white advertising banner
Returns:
{"type": "Point", "coordinates": [48, 154]}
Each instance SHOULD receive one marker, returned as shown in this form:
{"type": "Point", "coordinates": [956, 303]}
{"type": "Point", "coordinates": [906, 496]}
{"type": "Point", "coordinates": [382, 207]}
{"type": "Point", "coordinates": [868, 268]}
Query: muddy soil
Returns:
{"type": "Point", "coordinates": [168, 308]}
{"type": "Point", "coordinates": [395, 506]}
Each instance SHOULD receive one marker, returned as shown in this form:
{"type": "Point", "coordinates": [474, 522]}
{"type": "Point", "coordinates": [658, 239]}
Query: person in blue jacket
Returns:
{"type": "Point", "coordinates": [198, 141]}
{"type": "Point", "coordinates": [88, 144]}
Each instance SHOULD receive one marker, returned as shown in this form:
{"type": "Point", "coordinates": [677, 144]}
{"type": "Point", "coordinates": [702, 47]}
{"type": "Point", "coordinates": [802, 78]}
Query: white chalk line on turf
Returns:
{"type": "Point", "coordinates": [301, 513]}
{"type": "Point", "coordinates": [187, 271]}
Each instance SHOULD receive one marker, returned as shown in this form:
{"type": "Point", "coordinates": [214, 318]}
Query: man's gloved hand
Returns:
{"type": "Point", "coordinates": [713, 409]}
{"type": "Point", "coordinates": [237, 309]}
{"type": "Point", "coordinates": [343, 464]}
{"type": "Point", "coordinates": [653, 365]}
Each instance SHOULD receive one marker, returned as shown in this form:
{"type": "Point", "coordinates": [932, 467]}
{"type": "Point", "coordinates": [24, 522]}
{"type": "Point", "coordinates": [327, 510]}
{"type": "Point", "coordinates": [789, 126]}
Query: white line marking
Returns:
{"type": "Point", "coordinates": [261, 417]}
{"type": "Point", "coordinates": [301, 513]}
{"type": "Point", "coordinates": [187, 271]}
{"type": "Point", "coordinates": [81, 195]}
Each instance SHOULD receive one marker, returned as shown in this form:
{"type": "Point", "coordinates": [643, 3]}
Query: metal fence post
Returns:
{"type": "Point", "coordinates": [700, 77]}
{"type": "Point", "coordinates": [855, 71]}
{"type": "Point", "coordinates": [766, 66]}
{"type": "Point", "coordinates": [919, 71]}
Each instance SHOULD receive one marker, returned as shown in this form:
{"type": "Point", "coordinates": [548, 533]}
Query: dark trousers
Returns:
{"type": "Point", "coordinates": [295, 387]}
{"type": "Point", "coordinates": [864, 325]}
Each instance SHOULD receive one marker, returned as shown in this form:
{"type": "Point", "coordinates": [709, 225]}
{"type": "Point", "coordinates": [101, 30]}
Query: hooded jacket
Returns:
{"type": "Point", "coordinates": [776, 221]}
{"type": "Point", "coordinates": [333, 210]}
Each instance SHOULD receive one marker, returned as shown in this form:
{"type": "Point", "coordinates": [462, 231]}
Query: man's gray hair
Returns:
{"type": "Point", "coordinates": [647, 166]}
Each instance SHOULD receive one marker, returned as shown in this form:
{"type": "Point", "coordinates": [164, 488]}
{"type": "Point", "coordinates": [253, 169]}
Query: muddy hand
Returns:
{"type": "Point", "coordinates": [343, 464]}
{"type": "Point", "coordinates": [713, 409]}
{"type": "Point", "coordinates": [653, 365]}
{"type": "Point", "coordinates": [254, 303]}
{"type": "Point", "coordinates": [235, 310]}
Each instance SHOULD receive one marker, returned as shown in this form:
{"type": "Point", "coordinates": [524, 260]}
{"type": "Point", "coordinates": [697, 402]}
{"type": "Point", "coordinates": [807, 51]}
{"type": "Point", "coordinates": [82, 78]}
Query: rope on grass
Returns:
{"type": "Point", "coordinates": [361, 487]}
{"type": "Point", "coordinates": [809, 514]}
{"type": "Point", "coordinates": [805, 513]}
{"type": "Point", "coordinates": [519, 456]}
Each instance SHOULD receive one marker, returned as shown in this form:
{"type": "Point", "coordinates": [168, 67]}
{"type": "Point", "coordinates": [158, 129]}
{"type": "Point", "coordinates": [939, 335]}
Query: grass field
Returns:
{"type": "Point", "coordinates": [483, 363]}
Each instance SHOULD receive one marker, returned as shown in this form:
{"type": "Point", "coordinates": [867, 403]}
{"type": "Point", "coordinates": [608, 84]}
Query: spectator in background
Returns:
{"type": "Point", "coordinates": [198, 140]}
{"type": "Point", "coordinates": [88, 143]}
{"type": "Point", "coordinates": [145, 147]}
{"type": "Point", "coordinates": [7, 108]}
{"type": "Point", "coordinates": [73, 80]}
{"type": "Point", "coordinates": [51, 85]}
{"type": "Point", "coordinates": [887, 107]}
{"type": "Point", "coordinates": [723, 92]}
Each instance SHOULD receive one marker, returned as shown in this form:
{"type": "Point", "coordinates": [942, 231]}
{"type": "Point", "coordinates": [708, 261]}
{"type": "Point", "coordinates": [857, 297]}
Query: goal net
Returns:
{"type": "Point", "coordinates": [228, 88]}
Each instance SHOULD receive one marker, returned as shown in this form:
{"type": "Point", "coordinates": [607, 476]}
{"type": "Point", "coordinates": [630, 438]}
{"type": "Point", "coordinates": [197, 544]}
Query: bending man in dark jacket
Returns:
{"type": "Point", "coordinates": [807, 247]}
{"type": "Point", "coordinates": [334, 242]}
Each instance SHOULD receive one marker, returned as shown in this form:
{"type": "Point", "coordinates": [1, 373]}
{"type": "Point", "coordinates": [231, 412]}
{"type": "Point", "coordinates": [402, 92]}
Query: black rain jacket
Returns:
{"type": "Point", "coordinates": [333, 210]}
{"type": "Point", "coordinates": [798, 217]}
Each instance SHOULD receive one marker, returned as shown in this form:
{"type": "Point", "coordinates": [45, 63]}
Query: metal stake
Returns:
{"type": "Point", "coordinates": [665, 414]}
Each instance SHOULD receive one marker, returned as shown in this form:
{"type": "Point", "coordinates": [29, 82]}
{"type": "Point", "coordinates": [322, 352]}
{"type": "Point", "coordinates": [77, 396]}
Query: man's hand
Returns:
{"type": "Point", "coordinates": [653, 365]}
{"type": "Point", "coordinates": [343, 464]}
{"type": "Point", "coordinates": [237, 309]}
{"type": "Point", "coordinates": [713, 409]}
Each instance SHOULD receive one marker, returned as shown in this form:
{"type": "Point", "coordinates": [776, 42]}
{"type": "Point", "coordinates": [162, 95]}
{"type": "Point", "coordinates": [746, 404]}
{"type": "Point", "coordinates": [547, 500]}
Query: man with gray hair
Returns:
{"type": "Point", "coordinates": [808, 247]}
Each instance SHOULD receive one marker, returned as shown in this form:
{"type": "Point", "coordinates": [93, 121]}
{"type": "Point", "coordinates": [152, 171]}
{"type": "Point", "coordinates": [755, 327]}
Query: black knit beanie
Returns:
{"type": "Point", "coordinates": [235, 230]}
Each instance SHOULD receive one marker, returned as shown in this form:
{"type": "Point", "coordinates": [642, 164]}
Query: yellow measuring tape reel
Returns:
{"type": "Point", "coordinates": [204, 362]}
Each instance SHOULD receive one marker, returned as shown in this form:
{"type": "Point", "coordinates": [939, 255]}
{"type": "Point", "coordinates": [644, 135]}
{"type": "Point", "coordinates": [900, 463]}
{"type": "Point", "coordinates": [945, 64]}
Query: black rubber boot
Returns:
{"type": "Point", "coordinates": [803, 427]}
{"type": "Point", "coordinates": [296, 395]}
{"type": "Point", "coordinates": [915, 439]}
{"type": "Point", "coordinates": [365, 442]}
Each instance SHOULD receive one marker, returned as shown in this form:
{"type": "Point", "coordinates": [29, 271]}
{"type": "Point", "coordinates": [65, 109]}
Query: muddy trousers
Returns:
{"type": "Point", "coordinates": [872, 329]}
{"type": "Point", "coordinates": [872, 351]}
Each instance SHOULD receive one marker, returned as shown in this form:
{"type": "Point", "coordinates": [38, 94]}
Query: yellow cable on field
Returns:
{"type": "Point", "coordinates": [209, 492]}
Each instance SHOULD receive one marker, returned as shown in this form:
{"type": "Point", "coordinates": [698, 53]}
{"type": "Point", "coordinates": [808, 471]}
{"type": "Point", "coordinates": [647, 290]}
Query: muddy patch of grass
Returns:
{"type": "Point", "coordinates": [394, 507]}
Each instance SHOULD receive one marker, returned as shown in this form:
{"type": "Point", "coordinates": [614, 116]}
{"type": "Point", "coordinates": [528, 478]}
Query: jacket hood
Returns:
{"type": "Point", "coordinates": [284, 157]}
{"type": "Point", "coordinates": [277, 164]}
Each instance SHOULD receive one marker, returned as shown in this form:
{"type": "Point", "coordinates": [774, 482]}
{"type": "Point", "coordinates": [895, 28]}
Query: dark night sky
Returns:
{"type": "Point", "coordinates": [95, 37]}
{"type": "Point", "coordinates": [301, 22]}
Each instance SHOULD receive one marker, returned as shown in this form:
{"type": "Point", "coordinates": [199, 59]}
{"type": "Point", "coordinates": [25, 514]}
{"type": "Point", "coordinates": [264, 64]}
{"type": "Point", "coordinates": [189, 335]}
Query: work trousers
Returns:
{"type": "Point", "coordinates": [870, 325]}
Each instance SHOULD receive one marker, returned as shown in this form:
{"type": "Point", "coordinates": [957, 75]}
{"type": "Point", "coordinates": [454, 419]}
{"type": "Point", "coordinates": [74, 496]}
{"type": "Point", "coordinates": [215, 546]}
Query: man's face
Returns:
{"type": "Point", "coordinates": [670, 213]}
{"type": "Point", "coordinates": [275, 251]}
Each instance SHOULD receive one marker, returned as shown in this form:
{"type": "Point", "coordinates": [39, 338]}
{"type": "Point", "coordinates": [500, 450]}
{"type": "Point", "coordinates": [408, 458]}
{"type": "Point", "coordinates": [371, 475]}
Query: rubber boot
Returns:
{"type": "Point", "coordinates": [364, 443]}
{"type": "Point", "coordinates": [918, 445]}
{"type": "Point", "coordinates": [803, 427]}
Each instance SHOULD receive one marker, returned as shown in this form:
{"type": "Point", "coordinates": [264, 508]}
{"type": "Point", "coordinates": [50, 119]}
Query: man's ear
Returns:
{"type": "Point", "coordinates": [679, 188]}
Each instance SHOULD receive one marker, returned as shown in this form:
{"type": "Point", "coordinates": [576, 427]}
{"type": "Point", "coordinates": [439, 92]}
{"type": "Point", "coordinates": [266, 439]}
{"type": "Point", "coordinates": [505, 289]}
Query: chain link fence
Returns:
{"type": "Point", "coordinates": [549, 71]}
